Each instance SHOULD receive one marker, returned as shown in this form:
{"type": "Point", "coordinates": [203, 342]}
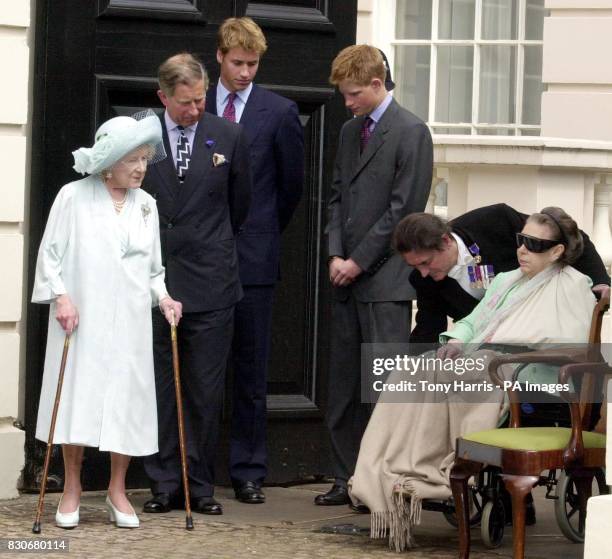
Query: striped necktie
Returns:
{"type": "Point", "coordinates": [183, 154]}
{"type": "Point", "coordinates": [229, 113]}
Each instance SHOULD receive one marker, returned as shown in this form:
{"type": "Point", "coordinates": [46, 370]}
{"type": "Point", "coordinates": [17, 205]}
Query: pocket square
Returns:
{"type": "Point", "coordinates": [219, 159]}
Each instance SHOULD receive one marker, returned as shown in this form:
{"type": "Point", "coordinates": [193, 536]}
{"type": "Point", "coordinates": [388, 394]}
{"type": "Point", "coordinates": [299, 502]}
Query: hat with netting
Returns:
{"type": "Point", "coordinates": [116, 138]}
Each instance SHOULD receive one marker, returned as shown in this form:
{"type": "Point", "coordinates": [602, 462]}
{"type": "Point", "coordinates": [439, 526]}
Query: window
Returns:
{"type": "Point", "coordinates": [469, 66]}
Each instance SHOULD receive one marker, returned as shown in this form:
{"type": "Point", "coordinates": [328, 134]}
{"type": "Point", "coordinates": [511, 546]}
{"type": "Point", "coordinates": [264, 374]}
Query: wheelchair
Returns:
{"type": "Point", "coordinates": [566, 464]}
{"type": "Point", "coordinates": [490, 510]}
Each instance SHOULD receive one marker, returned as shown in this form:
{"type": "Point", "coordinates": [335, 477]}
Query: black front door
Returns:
{"type": "Point", "coordinates": [98, 58]}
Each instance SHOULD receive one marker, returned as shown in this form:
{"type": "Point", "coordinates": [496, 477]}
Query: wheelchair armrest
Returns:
{"type": "Point", "coordinates": [552, 356]}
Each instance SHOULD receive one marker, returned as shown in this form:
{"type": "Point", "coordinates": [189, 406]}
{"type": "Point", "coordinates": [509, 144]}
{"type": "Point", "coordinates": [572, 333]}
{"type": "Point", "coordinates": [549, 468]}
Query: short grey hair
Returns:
{"type": "Point", "coordinates": [183, 68]}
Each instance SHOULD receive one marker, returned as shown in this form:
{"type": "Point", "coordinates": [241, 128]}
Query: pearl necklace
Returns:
{"type": "Point", "coordinates": [118, 204]}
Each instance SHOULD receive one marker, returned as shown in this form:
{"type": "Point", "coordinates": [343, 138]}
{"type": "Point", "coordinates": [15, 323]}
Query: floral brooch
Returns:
{"type": "Point", "coordinates": [146, 210]}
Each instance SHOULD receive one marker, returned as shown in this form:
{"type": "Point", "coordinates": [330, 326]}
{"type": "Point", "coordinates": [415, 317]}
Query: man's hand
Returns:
{"type": "Point", "coordinates": [333, 268]}
{"type": "Point", "coordinates": [343, 272]}
{"type": "Point", "coordinates": [66, 313]}
{"type": "Point", "coordinates": [602, 290]}
{"type": "Point", "coordinates": [452, 349]}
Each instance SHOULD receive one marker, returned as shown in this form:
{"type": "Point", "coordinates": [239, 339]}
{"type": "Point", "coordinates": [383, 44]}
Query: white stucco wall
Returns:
{"type": "Point", "coordinates": [15, 63]}
{"type": "Point", "coordinates": [578, 103]}
{"type": "Point", "coordinates": [365, 23]}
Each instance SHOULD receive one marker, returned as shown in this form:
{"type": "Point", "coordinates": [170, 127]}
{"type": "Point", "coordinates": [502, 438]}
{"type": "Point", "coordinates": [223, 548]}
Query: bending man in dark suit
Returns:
{"type": "Point", "coordinates": [440, 254]}
{"type": "Point", "coordinates": [274, 134]}
{"type": "Point", "coordinates": [202, 194]}
{"type": "Point", "coordinates": [382, 173]}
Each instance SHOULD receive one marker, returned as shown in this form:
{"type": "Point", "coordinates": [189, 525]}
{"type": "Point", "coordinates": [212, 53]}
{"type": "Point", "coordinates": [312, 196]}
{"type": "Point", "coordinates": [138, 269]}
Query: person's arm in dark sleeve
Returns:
{"type": "Point", "coordinates": [431, 319]}
{"type": "Point", "coordinates": [240, 183]}
{"type": "Point", "coordinates": [591, 264]}
{"type": "Point", "coordinates": [333, 229]}
{"type": "Point", "coordinates": [289, 156]}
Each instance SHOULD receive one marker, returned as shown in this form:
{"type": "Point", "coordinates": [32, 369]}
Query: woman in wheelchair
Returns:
{"type": "Point", "coordinates": [407, 450]}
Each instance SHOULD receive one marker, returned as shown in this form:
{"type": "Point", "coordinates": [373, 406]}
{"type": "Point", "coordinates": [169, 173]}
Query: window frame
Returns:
{"type": "Point", "coordinates": [384, 36]}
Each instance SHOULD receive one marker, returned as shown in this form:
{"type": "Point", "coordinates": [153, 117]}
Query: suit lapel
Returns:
{"type": "Point", "coordinates": [377, 139]}
{"type": "Point", "coordinates": [211, 100]}
{"type": "Point", "coordinates": [459, 302]}
{"type": "Point", "coordinates": [200, 163]}
{"type": "Point", "coordinates": [165, 168]}
{"type": "Point", "coordinates": [254, 115]}
{"type": "Point", "coordinates": [353, 143]}
{"type": "Point", "coordinates": [464, 235]}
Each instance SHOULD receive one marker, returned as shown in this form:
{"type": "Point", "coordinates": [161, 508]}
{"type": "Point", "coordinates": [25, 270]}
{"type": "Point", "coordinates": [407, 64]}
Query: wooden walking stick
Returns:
{"type": "Point", "coordinates": [58, 393]}
{"type": "Point", "coordinates": [181, 424]}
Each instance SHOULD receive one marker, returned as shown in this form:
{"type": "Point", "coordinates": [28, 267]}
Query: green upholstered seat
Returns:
{"type": "Point", "coordinates": [534, 438]}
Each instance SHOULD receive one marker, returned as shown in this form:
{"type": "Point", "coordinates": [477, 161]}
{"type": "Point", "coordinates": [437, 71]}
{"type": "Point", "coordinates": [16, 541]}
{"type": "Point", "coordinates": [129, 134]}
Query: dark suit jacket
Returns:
{"type": "Point", "coordinates": [493, 229]}
{"type": "Point", "coordinates": [199, 219]}
{"type": "Point", "coordinates": [274, 134]}
{"type": "Point", "coordinates": [371, 193]}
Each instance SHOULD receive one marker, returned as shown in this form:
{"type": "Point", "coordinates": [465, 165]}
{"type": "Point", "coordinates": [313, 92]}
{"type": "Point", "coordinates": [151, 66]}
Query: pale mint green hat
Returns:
{"type": "Point", "coordinates": [116, 138]}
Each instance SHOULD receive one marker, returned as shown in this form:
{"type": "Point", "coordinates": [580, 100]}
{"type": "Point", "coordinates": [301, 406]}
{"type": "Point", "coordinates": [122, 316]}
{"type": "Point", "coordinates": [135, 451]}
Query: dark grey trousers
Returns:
{"type": "Point", "coordinates": [354, 323]}
{"type": "Point", "coordinates": [204, 341]}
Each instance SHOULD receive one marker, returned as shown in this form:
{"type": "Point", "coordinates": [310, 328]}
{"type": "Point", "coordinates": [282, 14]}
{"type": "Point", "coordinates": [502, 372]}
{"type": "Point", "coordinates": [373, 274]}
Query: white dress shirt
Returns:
{"type": "Point", "coordinates": [174, 134]}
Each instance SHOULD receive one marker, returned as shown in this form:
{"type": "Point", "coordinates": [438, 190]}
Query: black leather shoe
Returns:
{"type": "Point", "coordinates": [250, 493]}
{"type": "Point", "coordinates": [337, 495]}
{"type": "Point", "coordinates": [161, 502]}
{"type": "Point", "coordinates": [207, 505]}
{"type": "Point", "coordinates": [361, 509]}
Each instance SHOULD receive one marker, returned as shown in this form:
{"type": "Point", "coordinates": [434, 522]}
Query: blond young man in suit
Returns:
{"type": "Point", "coordinates": [274, 135]}
{"type": "Point", "coordinates": [382, 172]}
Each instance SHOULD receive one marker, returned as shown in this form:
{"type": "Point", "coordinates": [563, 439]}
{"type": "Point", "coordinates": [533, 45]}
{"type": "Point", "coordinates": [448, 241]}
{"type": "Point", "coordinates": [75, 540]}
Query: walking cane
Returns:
{"type": "Point", "coordinates": [58, 393]}
{"type": "Point", "coordinates": [181, 424]}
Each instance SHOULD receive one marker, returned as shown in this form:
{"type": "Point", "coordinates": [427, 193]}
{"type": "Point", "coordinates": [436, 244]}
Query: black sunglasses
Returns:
{"type": "Point", "coordinates": [533, 244]}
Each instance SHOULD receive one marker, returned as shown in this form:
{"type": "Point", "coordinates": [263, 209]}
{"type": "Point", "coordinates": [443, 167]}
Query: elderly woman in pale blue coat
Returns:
{"type": "Point", "coordinates": [99, 267]}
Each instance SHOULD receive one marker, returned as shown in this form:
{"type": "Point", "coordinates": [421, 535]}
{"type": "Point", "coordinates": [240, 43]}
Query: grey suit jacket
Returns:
{"type": "Point", "coordinates": [371, 193]}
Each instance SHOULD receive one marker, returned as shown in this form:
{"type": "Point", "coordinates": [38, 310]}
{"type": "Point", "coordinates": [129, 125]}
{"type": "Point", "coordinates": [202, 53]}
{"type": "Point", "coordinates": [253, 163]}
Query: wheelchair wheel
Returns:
{"type": "Point", "coordinates": [567, 507]}
{"type": "Point", "coordinates": [492, 523]}
{"type": "Point", "coordinates": [475, 511]}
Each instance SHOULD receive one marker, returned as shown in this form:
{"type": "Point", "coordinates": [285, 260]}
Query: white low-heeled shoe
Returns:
{"type": "Point", "coordinates": [66, 519]}
{"type": "Point", "coordinates": [121, 519]}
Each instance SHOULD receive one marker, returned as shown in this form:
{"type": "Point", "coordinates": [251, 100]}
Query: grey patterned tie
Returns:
{"type": "Point", "coordinates": [183, 154]}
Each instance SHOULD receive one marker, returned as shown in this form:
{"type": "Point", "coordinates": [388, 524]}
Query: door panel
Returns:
{"type": "Point", "coordinates": [166, 10]}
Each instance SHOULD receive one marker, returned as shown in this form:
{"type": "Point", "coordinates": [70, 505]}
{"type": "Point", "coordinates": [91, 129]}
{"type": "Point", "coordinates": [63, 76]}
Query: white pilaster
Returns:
{"type": "Point", "coordinates": [15, 57]}
{"type": "Point", "coordinates": [598, 542]}
{"type": "Point", "coordinates": [602, 237]}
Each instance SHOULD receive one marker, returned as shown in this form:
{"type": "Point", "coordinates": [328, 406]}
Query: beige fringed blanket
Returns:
{"type": "Point", "coordinates": [416, 438]}
{"type": "Point", "coordinates": [410, 446]}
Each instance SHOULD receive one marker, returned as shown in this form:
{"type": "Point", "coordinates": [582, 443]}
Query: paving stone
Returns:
{"type": "Point", "coordinates": [288, 526]}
